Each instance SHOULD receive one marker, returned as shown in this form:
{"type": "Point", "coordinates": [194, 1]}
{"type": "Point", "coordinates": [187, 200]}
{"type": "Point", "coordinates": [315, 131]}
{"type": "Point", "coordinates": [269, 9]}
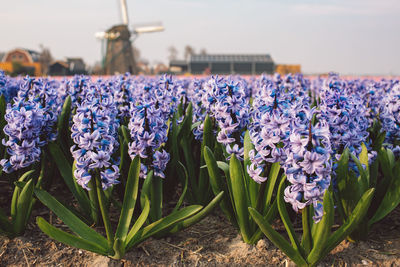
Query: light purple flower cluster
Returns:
{"type": "Point", "coordinates": [8, 86]}
{"type": "Point", "coordinates": [31, 123]}
{"type": "Point", "coordinates": [148, 127]}
{"type": "Point", "coordinates": [123, 86]}
{"type": "Point", "coordinates": [227, 102]}
{"type": "Point", "coordinates": [94, 132]}
{"type": "Point", "coordinates": [390, 117]}
{"type": "Point", "coordinates": [195, 94]}
{"type": "Point", "coordinates": [76, 88]}
{"type": "Point", "coordinates": [346, 115]}
{"type": "Point", "coordinates": [270, 127]}
{"type": "Point", "coordinates": [308, 164]}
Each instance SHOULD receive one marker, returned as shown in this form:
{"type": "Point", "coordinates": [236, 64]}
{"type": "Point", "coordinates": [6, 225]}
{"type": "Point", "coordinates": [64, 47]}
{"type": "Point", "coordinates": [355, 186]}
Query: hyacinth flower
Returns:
{"type": "Point", "coordinates": [390, 118]}
{"type": "Point", "coordinates": [346, 115]}
{"type": "Point", "coordinates": [238, 176]}
{"type": "Point", "coordinates": [148, 131]}
{"type": "Point", "coordinates": [8, 86]}
{"type": "Point", "coordinates": [307, 168]}
{"type": "Point", "coordinates": [230, 109]}
{"type": "Point", "coordinates": [270, 127]}
{"type": "Point", "coordinates": [380, 172]}
{"type": "Point", "coordinates": [308, 164]}
{"type": "Point", "coordinates": [189, 131]}
{"type": "Point", "coordinates": [29, 125]}
{"type": "Point", "coordinates": [96, 170]}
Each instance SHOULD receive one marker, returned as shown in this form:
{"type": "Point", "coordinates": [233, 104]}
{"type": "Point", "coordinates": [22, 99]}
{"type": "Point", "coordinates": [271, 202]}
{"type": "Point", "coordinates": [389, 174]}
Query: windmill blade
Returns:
{"type": "Point", "coordinates": [124, 12]}
{"type": "Point", "coordinates": [148, 27]}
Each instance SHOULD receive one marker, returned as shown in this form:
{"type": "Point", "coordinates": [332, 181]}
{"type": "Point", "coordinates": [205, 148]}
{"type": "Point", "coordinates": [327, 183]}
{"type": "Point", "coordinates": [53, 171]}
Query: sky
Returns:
{"type": "Point", "coordinates": [351, 37]}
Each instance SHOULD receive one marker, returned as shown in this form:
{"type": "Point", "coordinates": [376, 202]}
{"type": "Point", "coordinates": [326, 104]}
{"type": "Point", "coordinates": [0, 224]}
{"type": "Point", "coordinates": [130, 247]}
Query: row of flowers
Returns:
{"type": "Point", "coordinates": [252, 143]}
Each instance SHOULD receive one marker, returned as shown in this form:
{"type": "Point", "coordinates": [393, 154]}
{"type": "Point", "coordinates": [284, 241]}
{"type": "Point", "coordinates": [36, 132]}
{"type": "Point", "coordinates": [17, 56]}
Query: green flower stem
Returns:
{"type": "Point", "coordinates": [94, 202]}
{"type": "Point", "coordinates": [42, 170]}
{"type": "Point", "coordinates": [104, 211]}
{"type": "Point", "coordinates": [156, 198]}
{"type": "Point", "coordinates": [261, 197]}
{"type": "Point", "coordinates": [307, 239]}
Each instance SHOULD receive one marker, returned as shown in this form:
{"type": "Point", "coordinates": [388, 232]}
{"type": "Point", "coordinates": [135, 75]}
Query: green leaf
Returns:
{"type": "Point", "coordinates": [182, 197]}
{"type": "Point", "coordinates": [73, 222]}
{"type": "Point", "coordinates": [125, 133]}
{"type": "Point", "coordinates": [386, 179]}
{"type": "Point", "coordinates": [271, 181]}
{"type": "Point", "coordinates": [19, 184]}
{"type": "Point", "coordinates": [363, 180]}
{"type": "Point", "coordinates": [186, 125]}
{"type": "Point", "coordinates": [63, 138]}
{"type": "Point", "coordinates": [128, 205]}
{"type": "Point", "coordinates": [66, 172]}
{"type": "Point", "coordinates": [162, 224]}
{"type": "Point", "coordinates": [139, 222]}
{"type": "Point", "coordinates": [198, 216]}
{"type": "Point", "coordinates": [306, 240]}
{"type": "Point", "coordinates": [204, 184]}
{"type": "Point", "coordinates": [285, 217]}
{"type": "Point", "coordinates": [69, 239]}
{"type": "Point", "coordinates": [377, 143]}
{"type": "Point", "coordinates": [123, 159]}
{"type": "Point", "coordinates": [156, 199]}
{"type": "Point", "coordinates": [63, 118]}
{"type": "Point", "coordinates": [349, 190]}
{"type": "Point", "coordinates": [343, 164]}
{"type": "Point", "coordinates": [23, 203]}
{"type": "Point", "coordinates": [195, 125]}
{"type": "Point", "coordinates": [364, 156]}
{"type": "Point", "coordinates": [145, 192]}
{"type": "Point", "coordinates": [217, 184]}
{"type": "Point", "coordinates": [277, 239]}
{"type": "Point", "coordinates": [391, 157]}
{"type": "Point", "coordinates": [391, 199]}
{"type": "Point", "coordinates": [16, 193]}
{"type": "Point", "coordinates": [351, 223]}
{"type": "Point", "coordinates": [240, 197]}
{"type": "Point", "coordinates": [322, 229]}
{"type": "Point", "coordinates": [224, 167]}
{"type": "Point", "coordinates": [253, 187]}
{"type": "Point", "coordinates": [272, 211]}
{"type": "Point", "coordinates": [119, 249]}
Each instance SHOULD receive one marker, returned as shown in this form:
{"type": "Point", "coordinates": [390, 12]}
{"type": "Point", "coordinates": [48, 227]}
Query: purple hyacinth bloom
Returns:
{"type": "Point", "coordinates": [148, 124]}
{"type": "Point", "coordinates": [31, 119]}
{"type": "Point", "coordinates": [94, 132]}
{"type": "Point", "coordinates": [254, 172]}
{"type": "Point", "coordinates": [308, 164]}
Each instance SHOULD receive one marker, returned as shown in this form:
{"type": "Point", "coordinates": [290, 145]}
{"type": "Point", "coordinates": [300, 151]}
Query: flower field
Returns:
{"type": "Point", "coordinates": [303, 162]}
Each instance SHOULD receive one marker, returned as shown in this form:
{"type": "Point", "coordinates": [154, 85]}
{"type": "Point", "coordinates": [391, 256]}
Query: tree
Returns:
{"type": "Point", "coordinates": [45, 59]}
{"type": "Point", "coordinates": [173, 53]}
{"type": "Point", "coordinates": [188, 51]}
{"type": "Point", "coordinates": [203, 52]}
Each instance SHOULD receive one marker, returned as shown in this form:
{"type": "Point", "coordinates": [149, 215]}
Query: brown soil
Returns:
{"type": "Point", "coordinates": [211, 242]}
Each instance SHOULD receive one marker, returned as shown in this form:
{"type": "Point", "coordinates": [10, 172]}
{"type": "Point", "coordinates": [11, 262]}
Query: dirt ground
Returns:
{"type": "Point", "coordinates": [212, 242]}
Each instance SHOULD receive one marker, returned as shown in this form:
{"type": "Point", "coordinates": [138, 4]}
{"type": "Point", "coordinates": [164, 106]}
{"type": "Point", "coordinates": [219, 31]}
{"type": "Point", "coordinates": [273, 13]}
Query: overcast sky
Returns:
{"type": "Point", "coordinates": [347, 36]}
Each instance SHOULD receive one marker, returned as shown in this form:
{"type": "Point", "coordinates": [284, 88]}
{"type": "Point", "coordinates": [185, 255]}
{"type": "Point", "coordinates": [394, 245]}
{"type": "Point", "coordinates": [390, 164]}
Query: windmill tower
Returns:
{"type": "Point", "coordinates": [118, 56]}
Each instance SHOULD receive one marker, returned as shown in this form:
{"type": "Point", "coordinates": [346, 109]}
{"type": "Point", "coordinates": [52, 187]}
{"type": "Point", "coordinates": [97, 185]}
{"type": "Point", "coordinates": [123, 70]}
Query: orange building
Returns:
{"type": "Point", "coordinates": [284, 69]}
{"type": "Point", "coordinates": [25, 57]}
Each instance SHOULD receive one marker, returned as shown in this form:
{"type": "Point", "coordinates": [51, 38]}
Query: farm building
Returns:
{"type": "Point", "coordinates": [24, 59]}
{"type": "Point", "coordinates": [226, 64]}
{"type": "Point", "coordinates": [71, 66]}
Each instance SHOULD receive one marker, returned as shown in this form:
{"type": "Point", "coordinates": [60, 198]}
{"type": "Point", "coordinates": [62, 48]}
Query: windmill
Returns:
{"type": "Point", "coordinates": [117, 41]}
